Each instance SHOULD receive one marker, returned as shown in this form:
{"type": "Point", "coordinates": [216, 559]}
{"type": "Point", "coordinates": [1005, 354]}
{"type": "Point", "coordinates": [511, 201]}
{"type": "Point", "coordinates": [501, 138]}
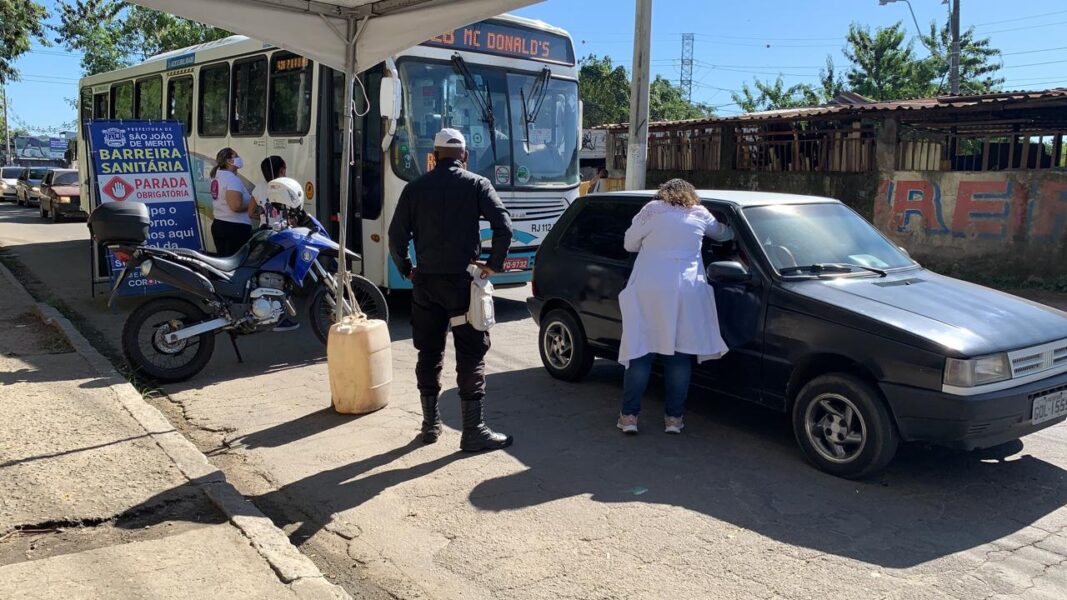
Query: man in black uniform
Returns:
{"type": "Point", "coordinates": [441, 211]}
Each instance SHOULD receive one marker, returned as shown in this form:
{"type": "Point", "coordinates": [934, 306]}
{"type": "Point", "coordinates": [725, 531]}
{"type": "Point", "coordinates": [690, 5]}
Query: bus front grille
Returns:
{"type": "Point", "coordinates": [535, 209]}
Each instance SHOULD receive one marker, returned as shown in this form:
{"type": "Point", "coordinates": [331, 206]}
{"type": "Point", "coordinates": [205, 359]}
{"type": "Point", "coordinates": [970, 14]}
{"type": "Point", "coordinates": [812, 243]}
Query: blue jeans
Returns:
{"type": "Point", "coordinates": [677, 369]}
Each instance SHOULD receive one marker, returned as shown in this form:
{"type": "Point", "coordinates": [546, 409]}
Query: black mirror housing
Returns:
{"type": "Point", "coordinates": [729, 272]}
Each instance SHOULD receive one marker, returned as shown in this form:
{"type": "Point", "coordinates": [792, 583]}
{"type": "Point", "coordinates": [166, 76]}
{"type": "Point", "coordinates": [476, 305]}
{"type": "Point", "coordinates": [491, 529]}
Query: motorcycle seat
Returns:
{"type": "Point", "coordinates": [226, 264]}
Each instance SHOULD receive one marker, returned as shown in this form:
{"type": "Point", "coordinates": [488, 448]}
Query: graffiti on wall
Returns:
{"type": "Point", "coordinates": [1008, 207]}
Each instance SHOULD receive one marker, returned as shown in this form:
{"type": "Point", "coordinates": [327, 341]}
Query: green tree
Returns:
{"type": "Point", "coordinates": [667, 103]}
{"type": "Point", "coordinates": [774, 96]}
{"type": "Point", "coordinates": [21, 21]}
{"type": "Point", "coordinates": [979, 61]}
{"type": "Point", "coordinates": [884, 65]}
{"type": "Point", "coordinates": [605, 91]}
{"type": "Point", "coordinates": [113, 34]}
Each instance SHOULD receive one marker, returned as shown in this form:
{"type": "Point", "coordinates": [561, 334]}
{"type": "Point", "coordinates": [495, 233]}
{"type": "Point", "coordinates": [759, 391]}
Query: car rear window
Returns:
{"type": "Point", "coordinates": [600, 228]}
{"type": "Point", "coordinates": [38, 173]}
{"type": "Point", "coordinates": [11, 173]}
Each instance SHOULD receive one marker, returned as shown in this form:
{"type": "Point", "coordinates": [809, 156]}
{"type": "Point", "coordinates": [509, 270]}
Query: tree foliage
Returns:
{"type": "Point", "coordinates": [21, 21]}
{"type": "Point", "coordinates": [604, 88]}
{"type": "Point", "coordinates": [113, 34]}
{"type": "Point", "coordinates": [979, 61]}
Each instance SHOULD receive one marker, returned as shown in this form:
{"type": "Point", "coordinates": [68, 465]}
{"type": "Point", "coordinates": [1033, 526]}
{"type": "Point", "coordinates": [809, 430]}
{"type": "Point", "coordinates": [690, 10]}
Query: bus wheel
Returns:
{"type": "Point", "coordinates": [322, 307]}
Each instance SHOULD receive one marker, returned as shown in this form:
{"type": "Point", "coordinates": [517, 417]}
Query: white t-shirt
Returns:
{"type": "Point", "coordinates": [223, 182]}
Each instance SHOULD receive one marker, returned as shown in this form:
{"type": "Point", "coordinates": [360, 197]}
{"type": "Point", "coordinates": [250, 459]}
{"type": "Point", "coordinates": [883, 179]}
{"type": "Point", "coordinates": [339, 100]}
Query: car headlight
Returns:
{"type": "Point", "coordinates": [977, 371]}
{"type": "Point", "coordinates": [36, 189]}
{"type": "Point", "coordinates": [3, 185]}
{"type": "Point", "coordinates": [63, 199]}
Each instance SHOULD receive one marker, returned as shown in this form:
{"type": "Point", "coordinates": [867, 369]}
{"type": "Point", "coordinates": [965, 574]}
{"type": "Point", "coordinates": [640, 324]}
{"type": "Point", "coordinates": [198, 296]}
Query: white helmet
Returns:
{"type": "Point", "coordinates": [285, 192]}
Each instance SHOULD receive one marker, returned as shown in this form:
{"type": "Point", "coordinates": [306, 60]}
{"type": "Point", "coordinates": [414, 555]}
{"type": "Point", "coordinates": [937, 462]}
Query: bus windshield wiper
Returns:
{"type": "Point", "coordinates": [483, 98]}
{"type": "Point", "coordinates": [538, 93]}
{"type": "Point", "coordinates": [832, 268]}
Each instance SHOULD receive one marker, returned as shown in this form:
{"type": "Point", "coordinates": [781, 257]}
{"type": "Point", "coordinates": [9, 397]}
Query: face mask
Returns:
{"type": "Point", "coordinates": [237, 162]}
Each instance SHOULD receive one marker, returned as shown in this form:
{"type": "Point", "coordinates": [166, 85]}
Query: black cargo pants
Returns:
{"type": "Point", "coordinates": [435, 300]}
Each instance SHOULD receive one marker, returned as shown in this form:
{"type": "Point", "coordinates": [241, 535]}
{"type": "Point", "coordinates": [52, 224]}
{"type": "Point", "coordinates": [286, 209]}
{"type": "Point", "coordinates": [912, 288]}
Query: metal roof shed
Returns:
{"type": "Point", "coordinates": [347, 35]}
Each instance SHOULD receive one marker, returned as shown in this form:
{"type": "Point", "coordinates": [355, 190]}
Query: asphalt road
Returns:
{"type": "Point", "coordinates": [574, 509]}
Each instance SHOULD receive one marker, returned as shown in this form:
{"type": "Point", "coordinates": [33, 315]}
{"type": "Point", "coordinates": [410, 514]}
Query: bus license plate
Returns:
{"type": "Point", "coordinates": [516, 264]}
{"type": "Point", "coordinates": [1049, 407]}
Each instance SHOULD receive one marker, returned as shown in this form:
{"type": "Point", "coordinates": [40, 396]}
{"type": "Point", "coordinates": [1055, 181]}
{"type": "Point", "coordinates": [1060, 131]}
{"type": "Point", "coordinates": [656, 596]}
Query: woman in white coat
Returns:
{"type": "Point", "coordinates": [668, 308]}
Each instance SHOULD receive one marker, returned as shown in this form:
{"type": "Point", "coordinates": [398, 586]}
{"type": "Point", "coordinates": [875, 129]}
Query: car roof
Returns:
{"type": "Point", "coordinates": [742, 199]}
{"type": "Point", "coordinates": [65, 170]}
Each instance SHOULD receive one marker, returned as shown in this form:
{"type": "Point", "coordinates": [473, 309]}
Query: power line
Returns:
{"type": "Point", "coordinates": [1025, 28]}
{"type": "Point", "coordinates": [1058, 12]}
{"type": "Point", "coordinates": [1038, 64]}
{"type": "Point", "coordinates": [1033, 51]}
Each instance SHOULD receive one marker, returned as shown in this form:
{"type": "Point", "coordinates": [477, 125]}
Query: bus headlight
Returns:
{"type": "Point", "coordinates": [977, 371]}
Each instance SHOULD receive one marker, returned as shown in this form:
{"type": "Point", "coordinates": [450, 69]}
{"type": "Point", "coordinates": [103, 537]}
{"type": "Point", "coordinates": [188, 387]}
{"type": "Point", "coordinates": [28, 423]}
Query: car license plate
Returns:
{"type": "Point", "coordinates": [516, 264]}
{"type": "Point", "coordinates": [1049, 406]}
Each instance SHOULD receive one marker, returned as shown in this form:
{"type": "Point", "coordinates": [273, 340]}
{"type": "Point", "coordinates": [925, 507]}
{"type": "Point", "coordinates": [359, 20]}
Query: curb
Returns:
{"type": "Point", "coordinates": [293, 568]}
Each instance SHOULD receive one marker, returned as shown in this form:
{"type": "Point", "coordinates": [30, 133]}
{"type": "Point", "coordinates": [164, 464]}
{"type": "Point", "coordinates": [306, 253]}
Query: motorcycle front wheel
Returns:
{"type": "Point", "coordinates": [150, 355]}
{"type": "Point", "coordinates": [322, 308]}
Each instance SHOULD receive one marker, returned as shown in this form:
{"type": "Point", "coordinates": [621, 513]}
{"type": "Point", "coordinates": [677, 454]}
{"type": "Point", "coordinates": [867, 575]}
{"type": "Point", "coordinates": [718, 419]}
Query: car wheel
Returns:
{"type": "Point", "coordinates": [843, 426]}
{"type": "Point", "coordinates": [565, 352]}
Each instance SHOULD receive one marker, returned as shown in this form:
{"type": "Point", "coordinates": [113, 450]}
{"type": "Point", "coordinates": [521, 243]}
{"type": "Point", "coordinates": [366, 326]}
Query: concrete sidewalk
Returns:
{"type": "Point", "coordinates": [102, 498]}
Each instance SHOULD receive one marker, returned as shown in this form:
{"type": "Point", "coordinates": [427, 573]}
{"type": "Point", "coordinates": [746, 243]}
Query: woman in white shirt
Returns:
{"type": "Point", "coordinates": [231, 228]}
{"type": "Point", "coordinates": [668, 308]}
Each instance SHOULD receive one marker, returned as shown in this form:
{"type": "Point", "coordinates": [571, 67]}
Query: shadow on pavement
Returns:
{"type": "Point", "coordinates": [740, 464]}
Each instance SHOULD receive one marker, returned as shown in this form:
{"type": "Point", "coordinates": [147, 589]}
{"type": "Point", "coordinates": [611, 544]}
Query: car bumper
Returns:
{"type": "Point", "coordinates": [969, 422]}
{"type": "Point", "coordinates": [69, 209]}
{"type": "Point", "coordinates": [535, 306]}
{"type": "Point", "coordinates": [9, 194]}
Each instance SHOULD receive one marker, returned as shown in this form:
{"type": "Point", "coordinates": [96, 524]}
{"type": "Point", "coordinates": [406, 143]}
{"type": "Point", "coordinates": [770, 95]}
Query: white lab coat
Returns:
{"type": "Point", "coordinates": [667, 305]}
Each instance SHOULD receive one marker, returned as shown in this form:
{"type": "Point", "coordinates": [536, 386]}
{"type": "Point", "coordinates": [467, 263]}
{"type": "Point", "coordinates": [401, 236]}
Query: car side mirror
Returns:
{"type": "Point", "coordinates": [729, 272]}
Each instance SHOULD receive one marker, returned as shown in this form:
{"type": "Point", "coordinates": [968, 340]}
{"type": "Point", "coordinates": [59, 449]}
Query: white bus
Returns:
{"type": "Point", "coordinates": [509, 84]}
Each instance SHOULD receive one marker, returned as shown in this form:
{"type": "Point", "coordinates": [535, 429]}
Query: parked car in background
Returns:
{"type": "Point", "coordinates": [9, 178]}
{"type": "Point", "coordinates": [60, 195]}
{"type": "Point", "coordinates": [29, 186]}
{"type": "Point", "coordinates": [826, 320]}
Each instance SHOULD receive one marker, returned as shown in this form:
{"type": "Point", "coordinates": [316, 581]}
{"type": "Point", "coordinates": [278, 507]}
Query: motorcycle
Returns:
{"type": "Point", "coordinates": [172, 338]}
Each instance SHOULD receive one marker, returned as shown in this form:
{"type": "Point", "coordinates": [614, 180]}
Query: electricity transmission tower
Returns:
{"type": "Point", "coordinates": [686, 80]}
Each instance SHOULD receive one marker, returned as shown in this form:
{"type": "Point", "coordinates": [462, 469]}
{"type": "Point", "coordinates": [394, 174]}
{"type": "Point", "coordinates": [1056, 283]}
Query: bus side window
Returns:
{"type": "Point", "coordinates": [249, 114]}
{"type": "Point", "coordinates": [122, 100]}
{"type": "Point", "coordinates": [100, 106]}
{"type": "Point", "coordinates": [214, 100]}
{"type": "Point", "coordinates": [290, 94]}
{"type": "Point", "coordinates": [180, 101]}
{"type": "Point", "coordinates": [150, 98]}
{"type": "Point", "coordinates": [85, 102]}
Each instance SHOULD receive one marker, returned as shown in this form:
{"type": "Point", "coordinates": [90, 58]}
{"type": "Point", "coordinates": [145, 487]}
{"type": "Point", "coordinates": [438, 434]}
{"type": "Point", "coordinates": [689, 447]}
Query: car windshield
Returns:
{"type": "Point", "coordinates": [10, 173]}
{"type": "Point", "coordinates": [821, 235]}
{"type": "Point", "coordinates": [38, 173]}
{"type": "Point", "coordinates": [70, 178]}
{"type": "Point", "coordinates": [487, 108]}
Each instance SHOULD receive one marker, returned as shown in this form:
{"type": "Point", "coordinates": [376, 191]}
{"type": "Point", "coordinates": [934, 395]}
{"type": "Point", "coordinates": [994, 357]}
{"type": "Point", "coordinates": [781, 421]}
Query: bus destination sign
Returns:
{"type": "Point", "coordinates": [507, 40]}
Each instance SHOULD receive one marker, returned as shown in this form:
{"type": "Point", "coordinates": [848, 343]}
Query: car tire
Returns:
{"type": "Point", "coordinates": [843, 427]}
{"type": "Point", "coordinates": [565, 351]}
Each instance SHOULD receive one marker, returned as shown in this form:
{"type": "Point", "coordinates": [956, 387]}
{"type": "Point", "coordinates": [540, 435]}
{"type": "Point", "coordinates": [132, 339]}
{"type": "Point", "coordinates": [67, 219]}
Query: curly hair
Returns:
{"type": "Point", "coordinates": [678, 192]}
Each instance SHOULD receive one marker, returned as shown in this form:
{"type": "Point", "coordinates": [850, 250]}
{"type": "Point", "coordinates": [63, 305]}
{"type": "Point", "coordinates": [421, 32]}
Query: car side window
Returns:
{"type": "Point", "coordinates": [600, 228]}
{"type": "Point", "coordinates": [47, 179]}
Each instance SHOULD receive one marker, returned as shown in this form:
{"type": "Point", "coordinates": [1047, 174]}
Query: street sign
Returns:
{"type": "Point", "coordinates": [147, 161]}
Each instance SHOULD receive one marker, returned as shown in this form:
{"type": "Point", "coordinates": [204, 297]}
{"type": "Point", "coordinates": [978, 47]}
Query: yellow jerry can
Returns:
{"type": "Point", "coordinates": [360, 361]}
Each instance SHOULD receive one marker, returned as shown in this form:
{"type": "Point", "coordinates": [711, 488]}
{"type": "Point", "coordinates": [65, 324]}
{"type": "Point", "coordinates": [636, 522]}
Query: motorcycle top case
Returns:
{"type": "Point", "coordinates": [120, 222]}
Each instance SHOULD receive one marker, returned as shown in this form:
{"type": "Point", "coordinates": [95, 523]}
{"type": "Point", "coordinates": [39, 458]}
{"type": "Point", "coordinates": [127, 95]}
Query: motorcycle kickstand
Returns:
{"type": "Point", "coordinates": [236, 350]}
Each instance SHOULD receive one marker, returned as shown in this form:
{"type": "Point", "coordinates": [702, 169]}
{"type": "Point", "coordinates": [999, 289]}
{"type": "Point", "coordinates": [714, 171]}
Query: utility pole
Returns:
{"type": "Point", "coordinates": [637, 147]}
{"type": "Point", "coordinates": [954, 59]}
{"type": "Point", "coordinates": [686, 79]}
{"type": "Point", "coordinates": [7, 127]}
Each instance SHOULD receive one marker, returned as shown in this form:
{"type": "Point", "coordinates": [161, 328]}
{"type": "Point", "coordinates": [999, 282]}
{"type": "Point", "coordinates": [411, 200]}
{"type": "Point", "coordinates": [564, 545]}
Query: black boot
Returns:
{"type": "Point", "coordinates": [431, 420]}
{"type": "Point", "coordinates": [476, 436]}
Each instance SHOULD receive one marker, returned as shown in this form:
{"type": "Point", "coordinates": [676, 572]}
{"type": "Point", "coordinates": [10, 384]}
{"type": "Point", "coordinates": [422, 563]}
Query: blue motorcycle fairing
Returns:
{"type": "Point", "coordinates": [301, 249]}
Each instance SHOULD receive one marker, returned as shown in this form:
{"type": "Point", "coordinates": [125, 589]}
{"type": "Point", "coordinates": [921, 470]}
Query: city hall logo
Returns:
{"type": "Point", "coordinates": [114, 137]}
{"type": "Point", "coordinates": [118, 189]}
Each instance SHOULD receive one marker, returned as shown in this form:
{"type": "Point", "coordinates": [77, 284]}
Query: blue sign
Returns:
{"type": "Point", "coordinates": [147, 161]}
{"type": "Point", "coordinates": [184, 60]}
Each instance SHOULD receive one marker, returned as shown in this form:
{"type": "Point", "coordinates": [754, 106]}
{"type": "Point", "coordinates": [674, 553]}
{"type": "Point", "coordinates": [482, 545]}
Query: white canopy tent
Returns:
{"type": "Point", "coordinates": [347, 35]}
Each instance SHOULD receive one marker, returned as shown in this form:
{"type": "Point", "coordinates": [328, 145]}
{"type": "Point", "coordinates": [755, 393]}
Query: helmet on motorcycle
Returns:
{"type": "Point", "coordinates": [285, 192]}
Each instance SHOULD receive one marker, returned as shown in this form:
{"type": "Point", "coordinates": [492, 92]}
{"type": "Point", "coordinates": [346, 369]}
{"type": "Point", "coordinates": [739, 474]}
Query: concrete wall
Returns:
{"type": "Point", "coordinates": [1019, 217]}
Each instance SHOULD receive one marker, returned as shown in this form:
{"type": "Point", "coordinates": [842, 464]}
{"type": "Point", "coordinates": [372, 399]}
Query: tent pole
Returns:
{"type": "Point", "coordinates": [346, 160]}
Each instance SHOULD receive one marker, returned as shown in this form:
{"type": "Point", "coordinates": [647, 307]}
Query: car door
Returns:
{"type": "Point", "coordinates": [741, 308]}
{"type": "Point", "coordinates": [45, 197]}
{"type": "Point", "coordinates": [600, 266]}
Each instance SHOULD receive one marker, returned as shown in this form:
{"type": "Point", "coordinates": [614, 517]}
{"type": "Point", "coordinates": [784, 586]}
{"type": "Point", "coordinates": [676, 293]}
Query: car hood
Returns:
{"type": "Point", "coordinates": [963, 318]}
{"type": "Point", "coordinates": [11, 181]}
{"type": "Point", "coordinates": [66, 190]}
{"type": "Point", "coordinates": [34, 181]}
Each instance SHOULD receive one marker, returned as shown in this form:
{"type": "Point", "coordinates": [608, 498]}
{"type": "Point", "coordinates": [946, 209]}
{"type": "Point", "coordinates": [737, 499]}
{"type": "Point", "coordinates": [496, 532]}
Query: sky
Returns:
{"type": "Point", "coordinates": [735, 41]}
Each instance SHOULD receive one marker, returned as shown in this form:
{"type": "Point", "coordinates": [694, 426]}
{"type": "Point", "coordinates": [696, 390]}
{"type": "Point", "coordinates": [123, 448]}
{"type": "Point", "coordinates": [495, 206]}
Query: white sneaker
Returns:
{"type": "Point", "coordinates": [673, 425]}
{"type": "Point", "coordinates": [627, 423]}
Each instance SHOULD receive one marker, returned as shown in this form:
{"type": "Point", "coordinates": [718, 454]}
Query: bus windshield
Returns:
{"type": "Point", "coordinates": [502, 148]}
